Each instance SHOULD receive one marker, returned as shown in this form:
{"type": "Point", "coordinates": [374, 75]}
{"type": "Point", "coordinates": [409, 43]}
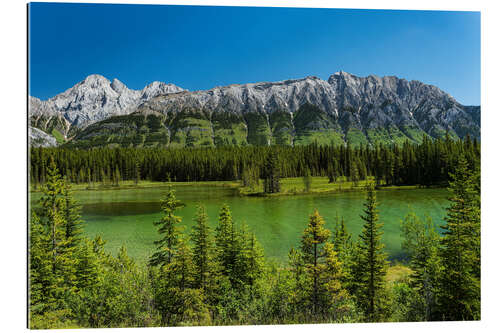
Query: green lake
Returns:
{"type": "Point", "coordinates": [126, 216]}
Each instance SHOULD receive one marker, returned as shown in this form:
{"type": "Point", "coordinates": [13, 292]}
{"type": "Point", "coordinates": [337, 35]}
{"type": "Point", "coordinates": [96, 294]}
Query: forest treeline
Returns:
{"type": "Point", "coordinates": [428, 163]}
{"type": "Point", "coordinates": [221, 276]}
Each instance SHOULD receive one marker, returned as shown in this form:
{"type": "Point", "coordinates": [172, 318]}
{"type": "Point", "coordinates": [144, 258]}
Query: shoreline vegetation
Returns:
{"type": "Point", "coordinates": [220, 276]}
{"type": "Point", "coordinates": [259, 170]}
{"type": "Point", "coordinates": [289, 186]}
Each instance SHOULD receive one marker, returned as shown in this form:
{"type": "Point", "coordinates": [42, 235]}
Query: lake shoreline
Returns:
{"type": "Point", "coordinates": [289, 189]}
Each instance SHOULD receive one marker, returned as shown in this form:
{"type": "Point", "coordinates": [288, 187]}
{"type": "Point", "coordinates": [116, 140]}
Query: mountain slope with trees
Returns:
{"type": "Point", "coordinates": [343, 109]}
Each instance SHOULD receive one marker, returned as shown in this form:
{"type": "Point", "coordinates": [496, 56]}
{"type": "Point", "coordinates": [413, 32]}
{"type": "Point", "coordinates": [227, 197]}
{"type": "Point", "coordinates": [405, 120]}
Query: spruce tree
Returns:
{"type": "Point", "coordinates": [137, 172]}
{"type": "Point", "coordinates": [181, 268]}
{"type": "Point", "coordinates": [227, 245]}
{"type": "Point", "coordinates": [88, 268]}
{"type": "Point", "coordinates": [420, 243]}
{"type": "Point", "coordinates": [307, 181]}
{"type": "Point", "coordinates": [343, 246]}
{"type": "Point", "coordinates": [71, 211]}
{"type": "Point", "coordinates": [250, 257]}
{"type": "Point", "coordinates": [371, 261]}
{"type": "Point", "coordinates": [60, 248]}
{"type": "Point", "coordinates": [460, 292]}
{"type": "Point", "coordinates": [41, 278]}
{"type": "Point", "coordinates": [271, 174]}
{"type": "Point", "coordinates": [168, 230]}
{"type": "Point", "coordinates": [322, 269]}
{"type": "Point", "coordinates": [203, 251]}
{"type": "Point", "coordinates": [117, 176]}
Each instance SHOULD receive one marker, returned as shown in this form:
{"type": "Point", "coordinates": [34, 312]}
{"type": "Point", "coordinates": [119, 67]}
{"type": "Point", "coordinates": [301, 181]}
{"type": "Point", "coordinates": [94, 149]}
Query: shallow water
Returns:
{"type": "Point", "coordinates": [126, 216]}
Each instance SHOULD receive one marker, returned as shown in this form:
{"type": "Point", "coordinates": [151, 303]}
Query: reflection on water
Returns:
{"type": "Point", "coordinates": [126, 216]}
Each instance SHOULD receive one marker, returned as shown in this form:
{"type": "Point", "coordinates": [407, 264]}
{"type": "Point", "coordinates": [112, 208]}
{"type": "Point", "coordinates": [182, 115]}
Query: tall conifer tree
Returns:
{"type": "Point", "coordinates": [460, 293]}
{"type": "Point", "coordinates": [203, 251]}
{"type": "Point", "coordinates": [420, 242]}
{"type": "Point", "coordinates": [321, 266]}
{"type": "Point", "coordinates": [372, 264]}
{"type": "Point", "coordinates": [168, 229]}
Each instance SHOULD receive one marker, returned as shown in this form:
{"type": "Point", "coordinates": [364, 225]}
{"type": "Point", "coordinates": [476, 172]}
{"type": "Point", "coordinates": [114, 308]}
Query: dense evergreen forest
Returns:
{"type": "Point", "coordinates": [428, 163]}
{"type": "Point", "coordinates": [221, 277]}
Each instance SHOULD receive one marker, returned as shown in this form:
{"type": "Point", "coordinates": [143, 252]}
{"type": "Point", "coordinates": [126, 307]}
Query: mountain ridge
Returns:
{"type": "Point", "coordinates": [344, 108]}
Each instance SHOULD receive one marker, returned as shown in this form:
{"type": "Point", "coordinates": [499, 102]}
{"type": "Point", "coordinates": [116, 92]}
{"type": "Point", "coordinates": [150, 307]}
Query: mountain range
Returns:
{"type": "Point", "coordinates": [346, 108]}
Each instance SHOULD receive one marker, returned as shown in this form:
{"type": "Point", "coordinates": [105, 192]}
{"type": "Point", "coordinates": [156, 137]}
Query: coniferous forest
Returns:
{"type": "Point", "coordinates": [426, 164]}
{"type": "Point", "coordinates": [221, 276]}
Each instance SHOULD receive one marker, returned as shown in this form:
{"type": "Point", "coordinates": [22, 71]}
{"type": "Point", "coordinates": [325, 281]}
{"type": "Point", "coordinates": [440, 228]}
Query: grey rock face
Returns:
{"type": "Point", "coordinates": [353, 102]}
{"type": "Point", "coordinates": [265, 97]}
{"type": "Point", "coordinates": [38, 138]}
{"type": "Point", "coordinates": [95, 99]}
{"type": "Point", "coordinates": [362, 104]}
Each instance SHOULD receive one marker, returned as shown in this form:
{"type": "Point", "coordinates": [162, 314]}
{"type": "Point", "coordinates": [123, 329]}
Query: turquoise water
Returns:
{"type": "Point", "coordinates": [126, 216]}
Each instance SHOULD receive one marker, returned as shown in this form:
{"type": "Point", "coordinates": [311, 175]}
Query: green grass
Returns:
{"type": "Point", "coordinates": [135, 130]}
{"type": "Point", "coordinates": [319, 185]}
{"type": "Point", "coordinates": [378, 135]}
{"type": "Point", "coordinates": [440, 133]}
{"type": "Point", "coordinates": [289, 186]}
{"type": "Point", "coordinates": [235, 135]}
{"type": "Point", "coordinates": [414, 133]}
{"type": "Point", "coordinates": [130, 184]}
{"type": "Point", "coordinates": [281, 127]}
{"type": "Point", "coordinates": [192, 130]}
{"type": "Point", "coordinates": [259, 133]}
{"type": "Point", "coordinates": [59, 137]}
{"type": "Point", "coordinates": [325, 137]}
{"type": "Point", "coordinates": [356, 137]}
{"type": "Point", "coordinates": [397, 136]}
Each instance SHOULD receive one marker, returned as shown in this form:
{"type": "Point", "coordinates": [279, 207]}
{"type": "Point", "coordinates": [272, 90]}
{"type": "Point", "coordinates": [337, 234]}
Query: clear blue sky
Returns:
{"type": "Point", "coordinates": [203, 47]}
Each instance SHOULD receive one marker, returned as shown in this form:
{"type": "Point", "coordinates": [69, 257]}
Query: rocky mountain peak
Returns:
{"type": "Point", "coordinates": [351, 106]}
{"type": "Point", "coordinates": [118, 86]}
{"type": "Point", "coordinates": [157, 88]}
{"type": "Point", "coordinates": [95, 81]}
{"type": "Point", "coordinates": [96, 98]}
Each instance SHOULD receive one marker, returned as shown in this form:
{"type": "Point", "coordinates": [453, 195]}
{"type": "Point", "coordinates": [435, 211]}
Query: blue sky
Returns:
{"type": "Point", "coordinates": [200, 47]}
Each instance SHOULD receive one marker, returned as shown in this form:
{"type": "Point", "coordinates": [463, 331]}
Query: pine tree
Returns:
{"type": "Point", "coordinates": [332, 171]}
{"type": "Point", "coordinates": [307, 181]}
{"type": "Point", "coordinates": [372, 264]}
{"type": "Point", "coordinates": [60, 248]}
{"type": "Point", "coordinates": [227, 245]}
{"type": "Point", "coordinates": [71, 212]}
{"type": "Point", "coordinates": [460, 294]}
{"type": "Point", "coordinates": [297, 270]}
{"type": "Point", "coordinates": [342, 238]}
{"type": "Point", "coordinates": [271, 174]}
{"type": "Point", "coordinates": [41, 279]}
{"type": "Point", "coordinates": [89, 178]}
{"type": "Point", "coordinates": [137, 175]}
{"type": "Point", "coordinates": [52, 201]}
{"type": "Point", "coordinates": [88, 268]}
{"type": "Point", "coordinates": [321, 267]}
{"type": "Point", "coordinates": [343, 246]}
{"type": "Point", "coordinates": [420, 243]}
{"type": "Point", "coordinates": [354, 172]}
{"type": "Point", "coordinates": [181, 268]}
{"type": "Point", "coordinates": [168, 229]}
{"type": "Point", "coordinates": [249, 263]}
{"type": "Point", "coordinates": [333, 280]}
{"type": "Point", "coordinates": [203, 251]}
{"type": "Point", "coordinates": [117, 176]}
{"type": "Point", "coordinates": [173, 285]}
